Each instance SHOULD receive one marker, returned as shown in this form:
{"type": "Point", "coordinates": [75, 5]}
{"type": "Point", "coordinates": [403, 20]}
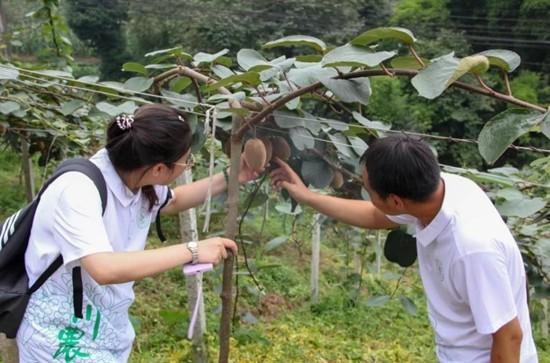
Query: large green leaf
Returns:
{"type": "Point", "coordinates": [134, 67]}
{"type": "Point", "coordinates": [250, 78]}
{"type": "Point", "coordinates": [374, 35]}
{"type": "Point", "coordinates": [503, 58]}
{"type": "Point", "coordinates": [127, 107]}
{"type": "Point", "coordinates": [408, 62]}
{"type": "Point", "coordinates": [306, 76]}
{"type": "Point", "coordinates": [88, 79]}
{"type": "Point", "coordinates": [349, 90]}
{"type": "Point", "coordinates": [138, 84]}
{"type": "Point", "coordinates": [341, 144]}
{"type": "Point", "coordinates": [221, 71]}
{"type": "Point", "coordinates": [202, 57]}
{"type": "Point", "coordinates": [301, 138]}
{"type": "Point", "coordinates": [503, 129]}
{"type": "Point", "coordinates": [249, 58]}
{"type": "Point", "coordinates": [349, 55]}
{"type": "Point", "coordinates": [408, 304]}
{"type": "Point", "coordinates": [298, 40]}
{"type": "Point", "coordinates": [374, 125]}
{"type": "Point", "coordinates": [175, 52]}
{"type": "Point", "coordinates": [161, 66]}
{"type": "Point", "coordinates": [432, 80]}
{"type": "Point", "coordinates": [181, 100]}
{"type": "Point", "coordinates": [9, 107]}
{"type": "Point", "coordinates": [546, 125]}
{"type": "Point", "coordinates": [522, 208]}
{"type": "Point", "coordinates": [68, 108]}
{"type": "Point", "coordinates": [8, 73]}
{"type": "Point", "coordinates": [289, 120]}
{"type": "Point", "coordinates": [476, 64]}
{"type": "Point", "coordinates": [179, 84]}
{"type": "Point", "coordinates": [317, 173]}
{"type": "Point", "coordinates": [54, 73]}
{"type": "Point", "coordinates": [358, 145]}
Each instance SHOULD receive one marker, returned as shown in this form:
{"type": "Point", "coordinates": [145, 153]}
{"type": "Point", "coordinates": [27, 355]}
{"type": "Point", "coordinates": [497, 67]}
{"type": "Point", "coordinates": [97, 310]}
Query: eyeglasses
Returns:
{"type": "Point", "coordinates": [189, 164]}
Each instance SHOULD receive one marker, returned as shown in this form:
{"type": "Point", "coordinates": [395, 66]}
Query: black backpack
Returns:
{"type": "Point", "coordinates": [14, 238]}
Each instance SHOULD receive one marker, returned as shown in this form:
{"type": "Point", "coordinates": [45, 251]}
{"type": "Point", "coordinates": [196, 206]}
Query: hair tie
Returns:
{"type": "Point", "coordinates": [124, 121]}
{"type": "Point", "coordinates": [181, 118]}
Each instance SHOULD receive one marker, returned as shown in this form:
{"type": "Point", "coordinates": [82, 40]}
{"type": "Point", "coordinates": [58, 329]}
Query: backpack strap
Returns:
{"type": "Point", "coordinates": [89, 169]}
{"type": "Point", "coordinates": [157, 220]}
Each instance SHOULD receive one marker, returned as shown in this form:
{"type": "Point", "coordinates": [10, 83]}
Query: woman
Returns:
{"type": "Point", "coordinates": [144, 153]}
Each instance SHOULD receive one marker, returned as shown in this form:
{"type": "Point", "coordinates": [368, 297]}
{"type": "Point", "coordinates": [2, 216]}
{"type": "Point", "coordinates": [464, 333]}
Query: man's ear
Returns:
{"type": "Point", "coordinates": [396, 202]}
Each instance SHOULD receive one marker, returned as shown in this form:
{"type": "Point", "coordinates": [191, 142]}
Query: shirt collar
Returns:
{"type": "Point", "coordinates": [429, 233]}
{"type": "Point", "coordinates": [112, 179]}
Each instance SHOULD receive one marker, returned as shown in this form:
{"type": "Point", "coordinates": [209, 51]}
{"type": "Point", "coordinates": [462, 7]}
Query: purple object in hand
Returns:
{"type": "Point", "coordinates": [190, 269]}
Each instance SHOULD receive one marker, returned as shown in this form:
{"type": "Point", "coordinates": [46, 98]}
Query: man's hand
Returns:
{"type": "Point", "coordinates": [507, 343]}
{"type": "Point", "coordinates": [285, 177]}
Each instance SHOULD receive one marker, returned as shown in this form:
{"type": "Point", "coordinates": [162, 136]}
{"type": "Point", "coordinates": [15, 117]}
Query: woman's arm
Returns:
{"type": "Point", "coordinates": [119, 267]}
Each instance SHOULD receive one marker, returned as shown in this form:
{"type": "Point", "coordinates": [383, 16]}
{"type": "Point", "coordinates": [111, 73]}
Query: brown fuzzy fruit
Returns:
{"type": "Point", "coordinates": [255, 154]}
{"type": "Point", "coordinates": [337, 180]}
{"type": "Point", "coordinates": [280, 147]}
{"type": "Point", "coordinates": [268, 149]}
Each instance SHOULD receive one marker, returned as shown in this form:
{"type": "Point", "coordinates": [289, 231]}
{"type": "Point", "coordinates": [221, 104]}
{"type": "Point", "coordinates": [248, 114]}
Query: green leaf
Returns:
{"type": "Point", "coordinates": [202, 57]}
{"type": "Point", "coordinates": [502, 58]}
{"type": "Point", "coordinates": [181, 100]}
{"type": "Point", "coordinates": [134, 67]}
{"type": "Point", "coordinates": [378, 300]}
{"type": "Point", "coordinates": [55, 73]}
{"type": "Point", "coordinates": [373, 125]}
{"type": "Point", "coordinates": [341, 144]}
{"type": "Point", "coordinates": [9, 107]}
{"type": "Point", "coordinates": [335, 124]}
{"type": "Point", "coordinates": [408, 304]}
{"type": "Point", "coordinates": [349, 55]}
{"type": "Point", "coordinates": [433, 80]}
{"type": "Point", "coordinates": [275, 242]}
{"type": "Point", "coordinates": [306, 76]}
{"type": "Point", "coordinates": [138, 84]}
{"type": "Point", "coordinates": [408, 62]}
{"type": "Point", "coordinates": [503, 129]}
{"type": "Point", "coordinates": [317, 173]}
{"type": "Point", "coordinates": [288, 120]}
{"type": "Point", "coordinates": [175, 52]}
{"type": "Point", "coordinates": [476, 64]}
{"type": "Point", "coordinates": [358, 145]}
{"type": "Point", "coordinates": [161, 66]}
{"type": "Point", "coordinates": [301, 138]}
{"type": "Point", "coordinates": [127, 107]}
{"type": "Point", "coordinates": [88, 79]}
{"type": "Point", "coordinates": [349, 91]}
{"type": "Point", "coordinates": [546, 125]}
{"type": "Point", "coordinates": [238, 96]}
{"type": "Point", "coordinates": [8, 73]}
{"type": "Point", "coordinates": [249, 58]}
{"type": "Point", "coordinates": [286, 208]}
{"type": "Point", "coordinates": [298, 40]}
{"type": "Point", "coordinates": [221, 71]}
{"type": "Point", "coordinates": [179, 84]}
{"type": "Point", "coordinates": [510, 194]}
{"type": "Point", "coordinates": [250, 78]}
{"type": "Point", "coordinates": [309, 58]}
{"type": "Point", "coordinates": [68, 108]}
{"type": "Point", "coordinates": [522, 208]}
{"type": "Point", "coordinates": [374, 35]}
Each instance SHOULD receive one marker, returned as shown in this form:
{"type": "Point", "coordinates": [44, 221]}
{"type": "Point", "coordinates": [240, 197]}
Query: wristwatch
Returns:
{"type": "Point", "coordinates": [193, 247]}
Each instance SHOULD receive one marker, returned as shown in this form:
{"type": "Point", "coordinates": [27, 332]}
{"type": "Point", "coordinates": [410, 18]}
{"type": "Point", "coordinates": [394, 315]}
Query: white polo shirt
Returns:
{"type": "Point", "coordinates": [473, 275]}
{"type": "Point", "coordinates": [68, 221]}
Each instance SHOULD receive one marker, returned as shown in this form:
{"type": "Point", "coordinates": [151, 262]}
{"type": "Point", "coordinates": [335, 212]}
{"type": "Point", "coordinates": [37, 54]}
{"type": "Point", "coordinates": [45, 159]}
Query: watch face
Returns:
{"type": "Point", "coordinates": [193, 244]}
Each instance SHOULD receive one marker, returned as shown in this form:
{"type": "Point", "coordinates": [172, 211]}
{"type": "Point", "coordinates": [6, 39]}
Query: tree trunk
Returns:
{"type": "Point", "coordinates": [315, 257]}
{"type": "Point", "coordinates": [189, 232]}
{"type": "Point", "coordinates": [26, 165]}
{"type": "Point", "coordinates": [230, 232]}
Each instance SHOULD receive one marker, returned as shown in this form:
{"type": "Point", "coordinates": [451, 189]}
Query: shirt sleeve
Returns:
{"type": "Point", "coordinates": [482, 280]}
{"type": "Point", "coordinates": [78, 227]}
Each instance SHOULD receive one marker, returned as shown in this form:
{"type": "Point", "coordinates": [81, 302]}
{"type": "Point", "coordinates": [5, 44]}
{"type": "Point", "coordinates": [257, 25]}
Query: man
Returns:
{"type": "Point", "coordinates": [469, 262]}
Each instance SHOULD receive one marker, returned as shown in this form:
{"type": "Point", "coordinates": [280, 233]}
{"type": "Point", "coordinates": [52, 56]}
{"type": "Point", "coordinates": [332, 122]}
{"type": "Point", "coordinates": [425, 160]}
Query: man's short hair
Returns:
{"type": "Point", "coordinates": [402, 165]}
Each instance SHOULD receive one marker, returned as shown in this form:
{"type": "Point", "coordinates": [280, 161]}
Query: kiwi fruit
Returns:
{"type": "Point", "coordinates": [280, 148]}
{"type": "Point", "coordinates": [255, 154]}
{"type": "Point", "coordinates": [337, 179]}
{"type": "Point", "coordinates": [268, 149]}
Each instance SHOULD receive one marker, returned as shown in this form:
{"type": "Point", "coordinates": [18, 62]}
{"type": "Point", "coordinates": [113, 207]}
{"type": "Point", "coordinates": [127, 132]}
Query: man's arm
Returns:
{"type": "Point", "coordinates": [359, 213]}
{"type": "Point", "coordinates": [507, 343]}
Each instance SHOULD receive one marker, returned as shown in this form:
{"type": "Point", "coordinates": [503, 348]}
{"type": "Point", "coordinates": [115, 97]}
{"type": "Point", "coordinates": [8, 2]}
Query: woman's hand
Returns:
{"type": "Point", "coordinates": [213, 250]}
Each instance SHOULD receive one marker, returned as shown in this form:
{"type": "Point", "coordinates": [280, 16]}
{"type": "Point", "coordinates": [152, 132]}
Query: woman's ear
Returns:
{"type": "Point", "coordinates": [158, 169]}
